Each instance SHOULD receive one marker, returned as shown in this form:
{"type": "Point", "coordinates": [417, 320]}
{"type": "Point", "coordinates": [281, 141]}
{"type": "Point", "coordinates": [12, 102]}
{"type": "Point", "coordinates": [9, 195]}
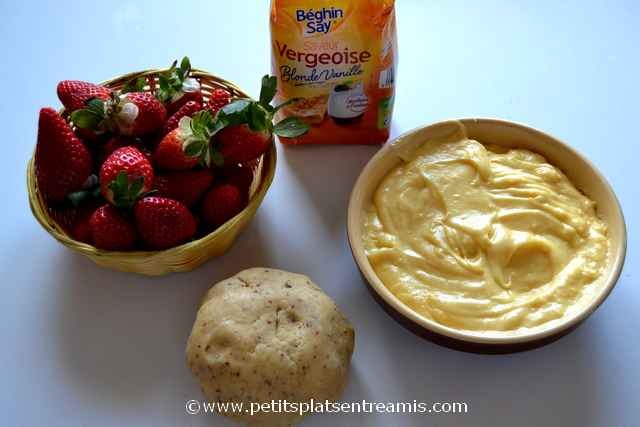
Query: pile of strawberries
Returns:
{"type": "Point", "coordinates": [152, 169]}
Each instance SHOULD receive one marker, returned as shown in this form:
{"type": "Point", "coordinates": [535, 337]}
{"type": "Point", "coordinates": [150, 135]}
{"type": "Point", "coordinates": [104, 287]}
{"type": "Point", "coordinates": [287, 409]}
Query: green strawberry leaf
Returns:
{"type": "Point", "coordinates": [291, 127]}
{"type": "Point", "coordinates": [194, 149]}
{"type": "Point", "coordinates": [236, 107]}
{"type": "Point", "coordinates": [218, 125]}
{"type": "Point", "coordinates": [259, 118]}
{"type": "Point", "coordinates": [136, 186]}
{"type": "Point", "coordinates": [163, 92]}
{"type": "Point", "coordinates": [185, 68]}
{"type": "Point", "coordinates": [201, 124]}
{"type": "Point", "coordinates": [196, 133]}
{"type": "Point", "coordinates": [205, 158]}
{"type": "Point", "coordinates": [78, 198]}
{"type": "Point", "coordinates": [134, 85]}
{"type": "Point", "coordinates": [96, 105]}
{"type": "Point", "coordinates": [163, 81]}
{"type": "Point", "coordinates": [90, 117]}
{"type": "Point", "coordinates": [86, 119]}
{"type": "Point", "coordinates": [90, 190]}
{"type": "Point", "coordinates": [170, 82]}
{"type": "Point", "coordinates": [237, 112]}
{"type": "Point", "coordinates": [216, 157]}
{"type": "Point", "coordinates": [125, 191]}
{"type": "Point", "coordinates": [122, 179]}
{"type": "Point", "coordinates": [268, 90]}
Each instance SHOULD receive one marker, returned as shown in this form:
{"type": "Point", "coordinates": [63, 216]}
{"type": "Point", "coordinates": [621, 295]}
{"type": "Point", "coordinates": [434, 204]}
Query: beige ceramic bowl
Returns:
{"type": "Point", "coordinates": [579, 170]}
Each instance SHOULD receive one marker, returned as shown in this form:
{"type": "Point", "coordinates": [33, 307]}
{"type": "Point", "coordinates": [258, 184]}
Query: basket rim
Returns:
{"type": "Point", "coordinates": [195, 72]}
{"type": "Point", "coordinates": [36, 204]}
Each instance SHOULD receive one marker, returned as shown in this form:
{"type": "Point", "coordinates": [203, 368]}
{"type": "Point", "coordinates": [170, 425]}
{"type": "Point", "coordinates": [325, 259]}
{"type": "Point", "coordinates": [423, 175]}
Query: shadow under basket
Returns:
{"type": "Point", "coordinates": [181, 258]}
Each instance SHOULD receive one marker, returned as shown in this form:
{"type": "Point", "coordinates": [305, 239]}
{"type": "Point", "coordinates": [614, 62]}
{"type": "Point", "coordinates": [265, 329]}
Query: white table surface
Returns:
{"type": "Point", "coordinates": [83, 346]}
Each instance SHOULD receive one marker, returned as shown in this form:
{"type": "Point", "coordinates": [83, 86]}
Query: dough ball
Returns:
{"type": "Point", "coordinates": [266, 335]}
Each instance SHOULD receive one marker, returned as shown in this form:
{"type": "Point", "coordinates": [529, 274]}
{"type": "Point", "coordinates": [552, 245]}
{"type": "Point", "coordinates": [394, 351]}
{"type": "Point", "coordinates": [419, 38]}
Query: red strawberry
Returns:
{"type": "Point", "coordinates": [218, 99]}
{"type": "Point", "coordinates": [186, 187]}
{"type": "Point", "coordinates": [75, 93]}
{"type": "Point", "coordinates": [244, 128]}
{"type": "Point", "coordinates": [111, 229]}
{"type": "Point", "coordinates": [88, 134]}
{"type": "Point", "coordinates": [176, 87]}
{"type": "Point", "coordinates": [240, 175]}
{"type": "Point", "coordinates": [62, 162]}
{"type": "Point", "coordinates": [74, 220]}
{"type": "Point", "coordinates": [222, 203]}
{"type": "Point", "coordinates": [125, 175]}
{"type": "Point", "coordinates": [64, 216]}
{"type": "Point", "coordinates": [163, 223]}
{"type": "Point", "coordinates": [186, 146]}
{"type": "Point", "coordinates": [119, 141]}
{"type": "Point", "coordinates": [169, 154]}
{"type": "Point", "coordinates": [139, 113]}
{"type": "Point", "coordinates": [193, 96]}
{"type": "Point", "coordinates": [187, 110]}
{"type": "Point", "coordinates": [239, 144]}
{"type": "Point", "coordinates": [130, 114]}
{"type": "Point", "coordinates": [81, 231]}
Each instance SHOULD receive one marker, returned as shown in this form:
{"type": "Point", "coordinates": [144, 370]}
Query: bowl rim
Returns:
{"type": "Point", "coordinates": [458, 336]}
{"type": "Point", "coordinates": [267, 174]}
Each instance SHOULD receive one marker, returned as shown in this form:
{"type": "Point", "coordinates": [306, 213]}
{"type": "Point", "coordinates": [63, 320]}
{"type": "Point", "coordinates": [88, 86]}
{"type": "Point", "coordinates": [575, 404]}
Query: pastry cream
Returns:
{"type": "Point", "coordinates": [484, 238]}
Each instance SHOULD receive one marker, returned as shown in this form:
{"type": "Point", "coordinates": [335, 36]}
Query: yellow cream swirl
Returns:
{"type": "Point", "coordinates": [483, 238]}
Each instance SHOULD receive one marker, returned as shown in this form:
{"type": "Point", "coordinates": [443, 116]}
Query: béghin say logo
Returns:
{"type": "Point", "coordinates": [318, 21]}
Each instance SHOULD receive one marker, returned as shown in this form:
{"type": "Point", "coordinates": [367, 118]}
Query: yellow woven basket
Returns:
{"type": "Point", "coordinates": [181, 258]}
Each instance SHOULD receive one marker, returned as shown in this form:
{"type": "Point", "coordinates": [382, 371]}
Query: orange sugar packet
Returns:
{"type": "Point", "coordinates": [335, 61]}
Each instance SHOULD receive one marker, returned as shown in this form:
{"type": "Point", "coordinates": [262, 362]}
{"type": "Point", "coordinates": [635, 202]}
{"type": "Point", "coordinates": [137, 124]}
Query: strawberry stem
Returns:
{"type": "Point", "coordinates": [126, 191]}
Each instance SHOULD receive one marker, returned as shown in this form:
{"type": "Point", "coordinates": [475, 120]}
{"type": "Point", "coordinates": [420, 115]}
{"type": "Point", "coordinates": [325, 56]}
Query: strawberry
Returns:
{"type": "Point", "coordinates": [239, 143]}
{"type": "Point", "coordinates": [81, 231]}
{"type": "Point", "coordinates": [74, 218]}
{"type": "Point", "coordinates": [176, 88]}
{"type": "Point", "coordinates": [88, 134]}
{"type": "Point", "coordinates": [119, 141]}
{"type": "Point", "coordinates": [243, 129]}
{"type": "Point", "coordinates": [222, 203]}
{"type": "Point", "coordinates": [240, 175]}
{"type": "Point", "coordinates": [130, 114]}
{"type": "Point", "coordinates": [65, 216]}
{"type": "Point", "coordinates": [187, 110]}
{"type": "Point", "coordinates": [140, 114]}
{"type": "Point", "coordinates": [191, 93]}
{"type": "Point", "coordinates": [163, 223]}
{"type": "Point", "coordinates": [218, 99]}
{"type": "Point", "coordinates": [111, 229]}
{"type": "Point", "coordinates": [137, 84]}
{"type": "Point", "coordinates": [186, 187]}
{"type": "Point", "coordinates": [73, 221]}
{"type": "Point", "coordinates": [75, 93]}
{"type": "Point", "coordinates": [186, 146]}
{"type": "Point", "coordinates": [125, 175]}
{"type": "Point", "coordinates": [62, 162]}
{"type": "Point", "coordinates": [170, 153]}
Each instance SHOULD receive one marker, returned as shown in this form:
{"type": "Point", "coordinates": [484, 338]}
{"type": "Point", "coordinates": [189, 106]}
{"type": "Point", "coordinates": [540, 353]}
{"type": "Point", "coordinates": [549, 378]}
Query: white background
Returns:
{"type": "Point", "coordinates": [83, 346]}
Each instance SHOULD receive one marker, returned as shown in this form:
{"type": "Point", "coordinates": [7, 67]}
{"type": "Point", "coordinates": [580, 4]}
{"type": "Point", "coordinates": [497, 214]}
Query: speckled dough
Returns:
{"type": "Point", "coordinates": [266, 335]}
